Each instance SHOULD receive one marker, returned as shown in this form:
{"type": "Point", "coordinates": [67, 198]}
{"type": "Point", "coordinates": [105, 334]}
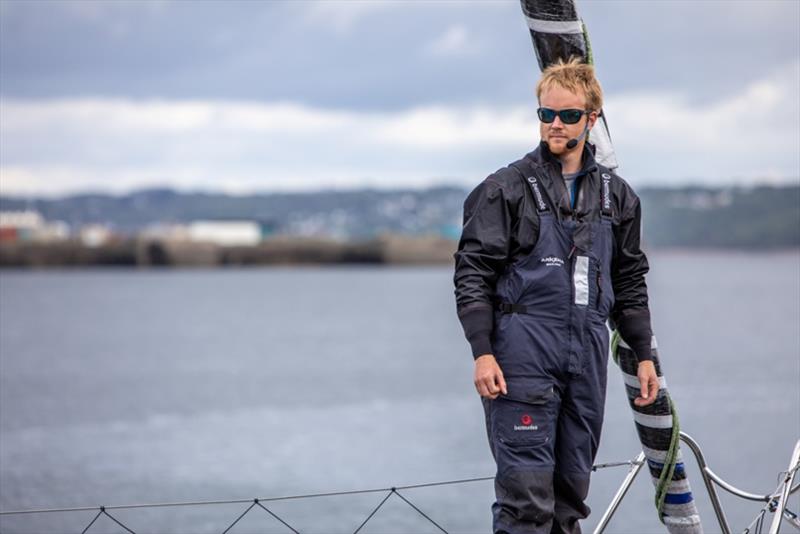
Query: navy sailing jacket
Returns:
{"type": "Point", "coordinates": [501, 224]}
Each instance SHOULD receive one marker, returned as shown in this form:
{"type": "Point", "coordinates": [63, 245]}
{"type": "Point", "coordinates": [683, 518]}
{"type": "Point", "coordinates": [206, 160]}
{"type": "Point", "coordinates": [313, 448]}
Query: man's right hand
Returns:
{"type": "Point", "coordinates": [489, 379]}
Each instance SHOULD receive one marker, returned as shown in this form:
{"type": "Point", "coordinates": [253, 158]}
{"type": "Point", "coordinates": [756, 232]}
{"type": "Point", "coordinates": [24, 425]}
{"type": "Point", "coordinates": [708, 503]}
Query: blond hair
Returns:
{"type": "Point", "coordinates": [574, 76]}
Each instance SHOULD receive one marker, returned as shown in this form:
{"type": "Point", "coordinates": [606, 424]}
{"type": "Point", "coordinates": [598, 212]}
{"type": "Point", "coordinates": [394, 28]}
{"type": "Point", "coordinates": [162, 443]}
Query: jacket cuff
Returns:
{"type": "Point", "coordinates": [480, 345]}
{"type": "Point", "coordinates": [478, 323]}
{"type": "Point", "coordinates": [636, 331]}
{"type": "Point", "coordinates": [642, 351]}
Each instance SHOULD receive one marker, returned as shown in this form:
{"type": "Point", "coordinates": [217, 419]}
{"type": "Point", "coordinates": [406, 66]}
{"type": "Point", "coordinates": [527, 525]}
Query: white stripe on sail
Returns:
{"type": "Point", "coordinates": [555, 26]}
{"type": "Point", "coordinates": [686, 522]}
{"type": "Point", "coordinates": [653, 421]}
{"type": "Point", "coordinates": [660, 456]}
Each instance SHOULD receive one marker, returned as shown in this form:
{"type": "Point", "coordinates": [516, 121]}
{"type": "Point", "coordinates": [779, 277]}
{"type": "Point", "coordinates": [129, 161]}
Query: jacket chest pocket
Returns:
{"type": "Point", "coordinates": [523, 420]}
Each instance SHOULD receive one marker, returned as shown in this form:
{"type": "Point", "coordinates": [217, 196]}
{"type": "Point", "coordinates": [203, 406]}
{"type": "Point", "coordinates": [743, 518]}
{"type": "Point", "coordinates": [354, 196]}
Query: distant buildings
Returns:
{"type": "Point", "coordinates": [227, 233]}
{"type": "Point", "coordinates": [95, 235]}
{"type": "Point", "coordinates": [218, 232]}
{"type": "Point", "coordinates": [24, 226]}
{"type": "Point", "coordinates": [29, 225]}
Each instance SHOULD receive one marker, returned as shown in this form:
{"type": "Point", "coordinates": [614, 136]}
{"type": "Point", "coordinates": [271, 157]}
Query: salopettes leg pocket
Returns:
{"type": "Point", "coordinates": [522, 430]}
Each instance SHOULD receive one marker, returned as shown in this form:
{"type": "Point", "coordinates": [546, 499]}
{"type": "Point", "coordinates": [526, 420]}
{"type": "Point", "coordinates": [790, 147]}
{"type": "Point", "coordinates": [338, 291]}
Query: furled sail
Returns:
{"type": "Point", "coordinates": [558, 33]}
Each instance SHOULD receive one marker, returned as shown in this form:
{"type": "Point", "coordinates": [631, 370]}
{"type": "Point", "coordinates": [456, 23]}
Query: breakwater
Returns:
{"type": "Point", "coordinates": [281, 250]}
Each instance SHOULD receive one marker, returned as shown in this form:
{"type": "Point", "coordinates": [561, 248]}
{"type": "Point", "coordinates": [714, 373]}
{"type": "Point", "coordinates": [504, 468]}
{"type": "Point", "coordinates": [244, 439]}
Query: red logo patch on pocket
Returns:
{"type": "Point", "coordinates": [527, 420]}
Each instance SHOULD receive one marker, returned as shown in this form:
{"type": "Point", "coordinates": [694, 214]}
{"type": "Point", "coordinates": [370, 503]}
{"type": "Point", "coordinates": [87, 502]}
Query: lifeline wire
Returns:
{"type": "Point", "coordinates": [757, 523]}
{"type": "Point", "coordinates": [257, 502]}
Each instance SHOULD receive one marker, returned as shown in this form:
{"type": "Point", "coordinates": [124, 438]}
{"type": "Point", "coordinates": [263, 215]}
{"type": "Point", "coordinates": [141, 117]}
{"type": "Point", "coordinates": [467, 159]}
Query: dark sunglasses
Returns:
{"type": "Point", "coordinates": [567, 116]}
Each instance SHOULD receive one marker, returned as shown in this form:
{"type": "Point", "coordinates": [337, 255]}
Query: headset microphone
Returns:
{"type": "Point", "coordinates": [572, 143]}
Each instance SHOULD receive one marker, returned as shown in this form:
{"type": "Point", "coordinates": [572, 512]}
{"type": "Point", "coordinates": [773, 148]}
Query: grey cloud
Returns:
{"type": "Point", "coordinates": [705, 50]}
{"type": "Point", "coordinates": [374, 58]}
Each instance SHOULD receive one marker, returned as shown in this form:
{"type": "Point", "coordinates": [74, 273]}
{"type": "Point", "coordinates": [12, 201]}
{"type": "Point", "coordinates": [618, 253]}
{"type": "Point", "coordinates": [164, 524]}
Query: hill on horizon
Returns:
{"type": "Point", "coordinates": [763, 216]}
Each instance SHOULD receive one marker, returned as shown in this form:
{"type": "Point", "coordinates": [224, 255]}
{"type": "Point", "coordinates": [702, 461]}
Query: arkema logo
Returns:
{"type": "Point", "coordinates": [552, 261]}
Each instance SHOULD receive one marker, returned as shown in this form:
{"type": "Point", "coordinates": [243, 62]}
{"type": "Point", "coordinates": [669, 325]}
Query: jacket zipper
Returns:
{"type": "Point", "coordinates": [599, 286]}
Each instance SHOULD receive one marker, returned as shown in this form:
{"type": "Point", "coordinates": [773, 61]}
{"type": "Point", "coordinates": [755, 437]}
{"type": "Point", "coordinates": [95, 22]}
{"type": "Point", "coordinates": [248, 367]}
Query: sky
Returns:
{"type": "Point", "coordinates": [259, 96]}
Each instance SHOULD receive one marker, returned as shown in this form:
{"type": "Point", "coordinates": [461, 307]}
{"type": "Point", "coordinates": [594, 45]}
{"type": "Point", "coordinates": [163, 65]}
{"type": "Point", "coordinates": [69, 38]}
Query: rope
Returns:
{"type": "Point", "coordinates": [615, 337]}
{"type": "Point", "coordinates": [756, 525]}
{"type": "Point", "coordinates": [114, 519]}
{"type": "Point", "coordinates": [671, 457]}
{"type": "Point", "coordinates": [420, 511]}
{"type": "Point", "coordinates": [270, 512]}
{"type": "Point", "coordinates": [238, 518]}
{"type": "Point", "coordinates": [669, 462]}
{"type": "Point", "coordinates": [241, 501]}
{"type": "Point", "coordinates": [373, 512]}
{"type": "Point", "coordinates": [589, 55]}
{"type": "Point", "coordinates": [103, 510]}
{"type": "Point", "coordinates": [393, 491]}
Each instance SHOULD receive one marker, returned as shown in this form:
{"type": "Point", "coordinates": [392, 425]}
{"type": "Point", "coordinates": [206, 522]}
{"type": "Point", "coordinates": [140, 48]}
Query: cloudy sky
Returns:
{"type": "Point", "coordinates": [263, 96]}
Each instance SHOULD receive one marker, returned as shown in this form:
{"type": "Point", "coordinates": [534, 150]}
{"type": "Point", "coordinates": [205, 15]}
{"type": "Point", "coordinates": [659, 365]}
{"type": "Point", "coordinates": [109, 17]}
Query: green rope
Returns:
{"type": "Point", "coordinates": [672, 453]}
{"type": "Point", "coordinates": [614, 344]}
{"type": "Point", "coordinates": [669, 463]}
{"type": "Point", "coordinates": [589, 55]}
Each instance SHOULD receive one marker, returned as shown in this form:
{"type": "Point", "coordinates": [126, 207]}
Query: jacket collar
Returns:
{"type": "Point", "coordinates": [588, 162]}
{"type": "Point", "coordinates": [550, 176]}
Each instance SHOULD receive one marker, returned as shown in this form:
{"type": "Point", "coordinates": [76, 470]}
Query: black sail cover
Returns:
{"type": "Point", "coordinates": [558, 33]}
{"type": "Point", "coordinates": [556, 30]}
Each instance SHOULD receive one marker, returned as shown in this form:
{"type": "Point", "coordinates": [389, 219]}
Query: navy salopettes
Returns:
{"type": "Point", "coordinates": [551, 342]}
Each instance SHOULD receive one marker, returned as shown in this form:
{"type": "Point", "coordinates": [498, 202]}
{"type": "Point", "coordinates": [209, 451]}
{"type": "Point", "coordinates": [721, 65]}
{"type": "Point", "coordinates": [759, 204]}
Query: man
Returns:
{"type": "Point", "coordinates": [549, 251]}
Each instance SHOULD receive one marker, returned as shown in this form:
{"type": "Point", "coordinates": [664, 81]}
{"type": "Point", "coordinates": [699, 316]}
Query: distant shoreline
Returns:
{"type": "Point", "coordinates": [138, 252]}
{"type": "Point", "coordinates": [279, 251]}
{"type": "Point", "coordinates": [422, 226]}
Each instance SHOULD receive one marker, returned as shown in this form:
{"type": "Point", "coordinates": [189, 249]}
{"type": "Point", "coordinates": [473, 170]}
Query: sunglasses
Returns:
{"type": "Point", "coordinates": [567, 116]}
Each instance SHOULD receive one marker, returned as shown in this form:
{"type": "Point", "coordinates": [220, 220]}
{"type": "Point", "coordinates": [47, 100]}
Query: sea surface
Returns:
{"type": "Point", "coordinates": [144, 386]}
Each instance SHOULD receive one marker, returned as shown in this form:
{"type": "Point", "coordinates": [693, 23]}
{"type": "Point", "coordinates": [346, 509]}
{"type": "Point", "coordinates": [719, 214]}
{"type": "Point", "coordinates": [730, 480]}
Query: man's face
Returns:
{"type": "Point", "coordinates": [556, 134]}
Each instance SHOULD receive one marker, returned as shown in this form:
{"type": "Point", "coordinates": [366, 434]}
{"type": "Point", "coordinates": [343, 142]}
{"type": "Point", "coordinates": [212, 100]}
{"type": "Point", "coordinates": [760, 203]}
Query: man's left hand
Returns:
{"type": "Point", "coordinates": [649, 382]}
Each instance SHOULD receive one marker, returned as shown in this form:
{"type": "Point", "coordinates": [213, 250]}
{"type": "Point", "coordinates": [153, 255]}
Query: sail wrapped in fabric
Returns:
{"type": "Point", "coordinates": [558, 33]}
{"type": "Point", "coordinates": [658, 428]}
{"type": "Point", "coordinates": [556, 30]}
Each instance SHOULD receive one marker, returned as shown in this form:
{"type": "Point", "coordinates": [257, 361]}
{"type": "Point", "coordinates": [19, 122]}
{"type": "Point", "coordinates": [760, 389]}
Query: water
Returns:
{"type": "Point", "coordinates": [126, 386]}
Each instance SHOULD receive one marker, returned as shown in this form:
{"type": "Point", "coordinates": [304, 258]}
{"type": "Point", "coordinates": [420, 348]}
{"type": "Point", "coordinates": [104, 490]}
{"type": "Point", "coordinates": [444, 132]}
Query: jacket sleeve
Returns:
{"type": "Point", "coordinates": [631, 313]}
{"type": "Point", "coordinates": [481, 256]}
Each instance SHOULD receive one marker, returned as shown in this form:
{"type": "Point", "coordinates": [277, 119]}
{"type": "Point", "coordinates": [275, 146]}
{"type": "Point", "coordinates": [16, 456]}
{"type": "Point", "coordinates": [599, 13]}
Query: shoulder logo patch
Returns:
{"type": "Point", "coordinates": [606, 191]}
{"type": "Point", "coordinates": [536, 193]}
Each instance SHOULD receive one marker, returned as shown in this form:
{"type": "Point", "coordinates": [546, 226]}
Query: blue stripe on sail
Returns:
{"type": "Point", "coordinates": [659, 465]}
{"type": "Point", "coordinates": [678, 498]}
